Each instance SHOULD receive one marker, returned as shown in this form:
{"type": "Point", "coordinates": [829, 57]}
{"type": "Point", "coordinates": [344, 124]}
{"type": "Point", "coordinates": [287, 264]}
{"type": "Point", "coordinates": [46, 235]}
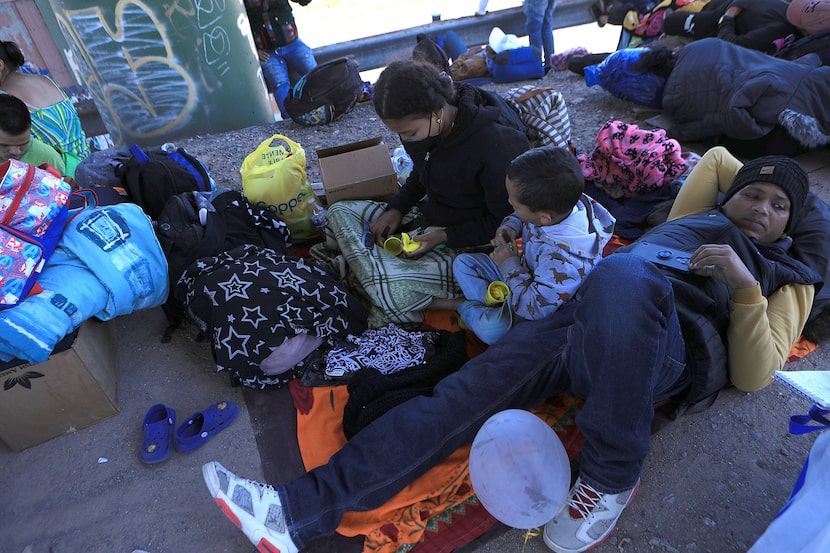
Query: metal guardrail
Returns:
{"type": "Point", "coordinates": [377, 51]}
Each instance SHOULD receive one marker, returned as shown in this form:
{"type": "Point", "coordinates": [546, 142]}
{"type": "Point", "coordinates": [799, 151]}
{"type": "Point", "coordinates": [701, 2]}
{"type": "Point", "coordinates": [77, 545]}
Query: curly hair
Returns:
{"type": "Point", "coordinates": [408, 89]}
{"type": "Point", "coordinates": [11, 54]}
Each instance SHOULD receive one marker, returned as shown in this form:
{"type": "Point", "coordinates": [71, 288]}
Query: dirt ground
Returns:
{"type": "Point", "coordinates": [712, 483]}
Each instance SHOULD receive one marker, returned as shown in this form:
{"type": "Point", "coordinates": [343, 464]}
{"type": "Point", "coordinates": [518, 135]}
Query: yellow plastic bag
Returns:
{"type": "Point", "coordinates": [274, 174]}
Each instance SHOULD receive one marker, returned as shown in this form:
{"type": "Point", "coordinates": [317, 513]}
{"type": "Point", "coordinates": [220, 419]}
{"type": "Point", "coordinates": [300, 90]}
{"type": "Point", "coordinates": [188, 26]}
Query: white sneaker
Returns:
{"type": "Point", "coordinates": [588, 517]}
{"type": "Point", "coordinates": [255, 508]}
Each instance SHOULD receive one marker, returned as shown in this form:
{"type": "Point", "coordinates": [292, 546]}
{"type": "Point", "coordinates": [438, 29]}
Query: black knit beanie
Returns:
{"type": "Point", "coordinates": [779, 170]}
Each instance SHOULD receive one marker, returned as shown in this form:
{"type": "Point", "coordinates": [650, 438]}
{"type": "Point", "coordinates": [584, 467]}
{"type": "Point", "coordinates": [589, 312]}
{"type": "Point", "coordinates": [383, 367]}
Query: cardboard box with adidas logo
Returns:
{"type": "Point", "coordinates": [69, 391]}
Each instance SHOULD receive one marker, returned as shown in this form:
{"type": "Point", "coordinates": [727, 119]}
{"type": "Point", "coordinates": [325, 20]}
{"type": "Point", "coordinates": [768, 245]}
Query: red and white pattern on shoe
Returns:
{"type": "Point", "coordinates": [588, 517]}
{"type": "Point", "coordinates": [254, 508]}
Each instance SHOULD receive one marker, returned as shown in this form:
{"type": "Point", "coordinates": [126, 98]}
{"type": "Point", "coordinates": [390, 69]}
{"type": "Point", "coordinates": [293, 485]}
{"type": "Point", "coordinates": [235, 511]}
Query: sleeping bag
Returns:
{"type": "Point", "coordinates": [720, 89]}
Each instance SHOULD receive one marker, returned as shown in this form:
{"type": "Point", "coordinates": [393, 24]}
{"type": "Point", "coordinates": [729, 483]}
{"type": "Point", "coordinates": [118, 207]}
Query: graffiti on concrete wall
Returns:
{"type": "Point", "coordinates": [215, 41]}
{"type": "Point", "coordinates": [152, 69]}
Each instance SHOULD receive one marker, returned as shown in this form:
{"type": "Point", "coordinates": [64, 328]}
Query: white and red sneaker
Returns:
{"type": "Point", "coordinates": [588, 517]}
{"type": "Point", "coordinates": [255, 508]}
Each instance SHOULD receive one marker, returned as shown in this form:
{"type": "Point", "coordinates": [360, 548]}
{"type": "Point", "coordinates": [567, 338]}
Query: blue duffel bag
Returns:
{"type": "Point", "coordinates": [518, 64]}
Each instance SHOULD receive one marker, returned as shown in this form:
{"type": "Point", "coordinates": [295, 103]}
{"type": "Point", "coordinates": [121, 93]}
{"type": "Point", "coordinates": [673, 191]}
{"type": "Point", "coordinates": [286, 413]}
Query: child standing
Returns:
{"type": "Point", "coordinates": [563, 233]}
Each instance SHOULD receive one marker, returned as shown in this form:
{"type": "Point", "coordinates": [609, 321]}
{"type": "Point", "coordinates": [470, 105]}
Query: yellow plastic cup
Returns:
{"type": "Point", "coordinates": [399, 244]}
{"type": "Point", "coordinates": [393, 245]}
{"type": "Point", "coordinates": [409, 245]}
{"type": "Point", "coordinates": [497, 292]}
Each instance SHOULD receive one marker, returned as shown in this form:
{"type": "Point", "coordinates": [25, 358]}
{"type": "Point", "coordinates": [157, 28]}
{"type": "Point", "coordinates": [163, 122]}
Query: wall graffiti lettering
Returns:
{"type": "Point", "coordinates": [215, 41]}
{"type": "Point", "coordinates": [162, 69]}
{"type": "Point", "coordinates": [131, 68]}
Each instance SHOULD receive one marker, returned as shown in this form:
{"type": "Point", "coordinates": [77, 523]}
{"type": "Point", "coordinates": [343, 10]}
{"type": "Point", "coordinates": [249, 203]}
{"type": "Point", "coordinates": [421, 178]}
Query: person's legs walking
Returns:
{"type": "Point", "coordinates": [547, 33]}
{"type": "Point", "coordinates": [539, 18]}
{"type": "Point", "coordinates": [625, 351]}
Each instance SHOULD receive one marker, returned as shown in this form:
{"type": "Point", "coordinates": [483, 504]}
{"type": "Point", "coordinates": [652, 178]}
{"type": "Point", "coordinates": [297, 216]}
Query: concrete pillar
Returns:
{"type": "Point", "coordinates": [162, 70]}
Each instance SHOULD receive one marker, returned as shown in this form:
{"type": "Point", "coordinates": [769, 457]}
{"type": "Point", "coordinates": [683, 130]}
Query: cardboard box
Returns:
{"type": "Point", "coordinates": [358, 171]}
{"type": "Point", "coordinates": [71, 390]}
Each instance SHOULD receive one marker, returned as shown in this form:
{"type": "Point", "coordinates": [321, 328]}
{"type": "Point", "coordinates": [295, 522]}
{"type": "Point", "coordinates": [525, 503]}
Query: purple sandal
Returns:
{"type": "Point", "coordinates": [203, 425]}
{"type": "Point", "coordinates": [157, 444]}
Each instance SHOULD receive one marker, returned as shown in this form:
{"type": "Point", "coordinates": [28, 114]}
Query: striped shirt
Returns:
{"type": "Point", "coordinates": [60, 126]}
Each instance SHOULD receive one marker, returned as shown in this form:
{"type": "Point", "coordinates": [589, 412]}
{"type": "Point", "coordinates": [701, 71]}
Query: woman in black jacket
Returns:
{"type": "Point", "coordinates": [461, 140]}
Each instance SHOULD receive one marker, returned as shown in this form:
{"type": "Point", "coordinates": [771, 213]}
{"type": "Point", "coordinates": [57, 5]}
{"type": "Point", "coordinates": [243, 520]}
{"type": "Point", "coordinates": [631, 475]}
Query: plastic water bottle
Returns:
{"type": "Point", "coordinates": [318, 214]}
{"type": "Point", "coordinates": [402, 164]}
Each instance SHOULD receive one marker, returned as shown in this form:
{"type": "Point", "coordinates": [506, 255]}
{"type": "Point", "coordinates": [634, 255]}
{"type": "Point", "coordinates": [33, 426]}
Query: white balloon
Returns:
{"type": "Point", "coordinates": [519, 469]}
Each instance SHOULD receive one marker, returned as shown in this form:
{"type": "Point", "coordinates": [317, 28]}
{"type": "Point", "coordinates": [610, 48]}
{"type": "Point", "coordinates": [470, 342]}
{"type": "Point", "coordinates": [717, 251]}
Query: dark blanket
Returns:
{"type": "Point", "coordinates": [720, 89]}
{"type": "Point", "coordinates": [251, 300]}
{"type": "Point", "coordinates": [633, 214]}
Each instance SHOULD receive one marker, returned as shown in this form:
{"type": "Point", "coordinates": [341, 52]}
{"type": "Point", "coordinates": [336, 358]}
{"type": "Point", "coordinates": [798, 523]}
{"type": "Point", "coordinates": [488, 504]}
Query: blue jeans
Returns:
{"type": "Point", "coordinates": [285, 66]}
{"type": "Point", "coordinates": [474, 272]}
{"type": "Point", "coordinates": [617, 345]}
{"type": "Point", "coordinates": [539, 26]}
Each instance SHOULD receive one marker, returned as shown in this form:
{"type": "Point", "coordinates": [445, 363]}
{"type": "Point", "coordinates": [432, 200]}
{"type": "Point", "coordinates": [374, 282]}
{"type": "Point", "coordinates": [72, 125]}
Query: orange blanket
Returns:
{"type": "Point", "coordinates": [401, 522]}
{"type": "Point", "coordinates": [404, 518]}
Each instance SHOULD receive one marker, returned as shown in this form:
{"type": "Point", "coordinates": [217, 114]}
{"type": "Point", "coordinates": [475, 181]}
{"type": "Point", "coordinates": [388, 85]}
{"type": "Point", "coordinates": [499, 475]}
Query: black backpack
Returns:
{"type": "Point", "coordinates": [428, 50]}
{"type": "Point", "coordinates": [153, 176]}
{"type": "Point", "coordinates": [192, 226]}
{"type": "Point", "coordinates": [325, 93]}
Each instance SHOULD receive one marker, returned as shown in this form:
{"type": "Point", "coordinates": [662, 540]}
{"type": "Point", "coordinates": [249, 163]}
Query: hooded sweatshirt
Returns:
{"type": "Point", "coordinates": [556, 258]}
{"type": "Point", "coordinates": [462, 176]}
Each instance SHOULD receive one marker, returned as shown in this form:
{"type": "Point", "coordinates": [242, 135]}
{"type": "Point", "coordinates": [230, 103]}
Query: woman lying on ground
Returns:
{"type": "Point", "coordinates": [752, 102]}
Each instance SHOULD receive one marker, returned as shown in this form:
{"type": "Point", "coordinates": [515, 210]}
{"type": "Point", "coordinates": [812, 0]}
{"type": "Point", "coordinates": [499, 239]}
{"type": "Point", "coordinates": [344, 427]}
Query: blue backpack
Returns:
{"type": "Point", "coordinates": [518, 64]}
